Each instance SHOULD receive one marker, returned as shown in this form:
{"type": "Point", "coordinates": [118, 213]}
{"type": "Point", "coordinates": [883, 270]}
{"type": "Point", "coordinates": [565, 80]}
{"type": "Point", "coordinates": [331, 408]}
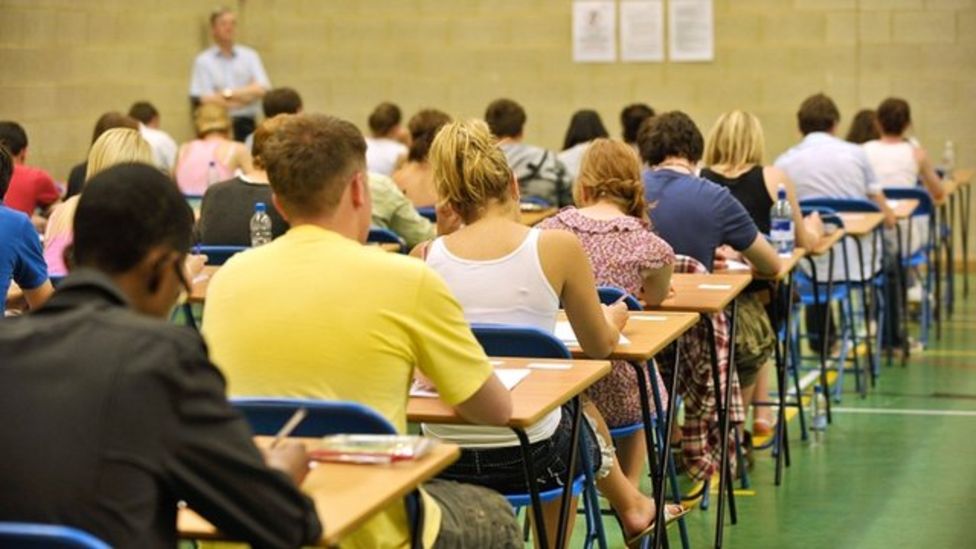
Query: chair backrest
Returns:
{"type": "Point", "coordinates": [535, 200]}
{"type": "Point", "coordinates": [385, 236]}
{"type": "Point", "coordinates": [611, 294]}
{"type": "Point", "coordinates": [518, 341]}
{"type": "Point", "coordinates": [429, 212]}
{"type": "Point", "coordinates": [218, 255]}
{"type": "Point", "coordinates": [828, 215]}
{"type": "Point", "coordinates": [27, 535]}
{"type": "Point", "coordinates": [901, 193]}
{"type": "Point", "coordinates": [841, 204]}
{"type": "Point", "coordinates": [325, 417]}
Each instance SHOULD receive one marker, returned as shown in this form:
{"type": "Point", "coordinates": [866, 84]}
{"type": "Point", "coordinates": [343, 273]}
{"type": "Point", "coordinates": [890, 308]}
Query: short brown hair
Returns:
{"type": "Point", "coordinates": [281, 101]}
{"type": "Point", "coordinates": [864, 127]}
{"type": "Point", "coordinates": [218, 13]}
{"type": "Point", "coordinates": [611, 170]}
{"type": "Point", "coordinates": [310, 159]}
{"type": "Point", "coordinates": [817, 113]}
{"type": "Point", "coordinates": [265, 130]}
{"type": "Point", "coordinates": [894, 115]}
{"type": "Point", "coordinates": [384, 118]}
{"type": "Point", "coordinates": [423, 128]}
{"type": "Point", "coordinates": [669, 134]}
{"type": "Point", "coordinates": [505, 118]}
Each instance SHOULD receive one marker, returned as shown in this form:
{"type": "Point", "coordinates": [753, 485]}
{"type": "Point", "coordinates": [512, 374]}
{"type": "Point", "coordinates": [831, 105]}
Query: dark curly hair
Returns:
{"type": "Point", "coordinates": [670, 134]}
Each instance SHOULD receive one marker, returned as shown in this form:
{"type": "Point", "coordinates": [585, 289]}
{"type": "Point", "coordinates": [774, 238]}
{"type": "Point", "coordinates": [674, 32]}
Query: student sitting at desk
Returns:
{"type": "Point", "coordinates": [734, 154]}
{"type": "Point", "coordinates": [115, 415]}
{"type": "Point", "coordinates": [697, 216]}
{"type": "Point", "coordinates": [315, 314]}
{"type": "Point", "coordinates": [505, 273]}
{"type": "Point", "coordinates": [611, 224]}
{"type": "Point", "coordinates": [20, 250]}
{"type": "Point", "coordinates": [114, 146]}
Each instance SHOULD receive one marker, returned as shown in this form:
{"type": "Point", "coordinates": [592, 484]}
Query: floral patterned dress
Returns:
{"type": "Point", "coordinates": [618, 249]}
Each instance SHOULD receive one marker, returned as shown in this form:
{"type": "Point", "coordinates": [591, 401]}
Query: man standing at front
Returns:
{"type": "Point", "coordinates": [229, 74]}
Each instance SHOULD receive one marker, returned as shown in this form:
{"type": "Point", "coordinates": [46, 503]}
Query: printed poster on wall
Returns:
{"type": "Point", "coordinates": [691, 30]}
{"type": "Point", "coordinates": [594, 31]}
{"type": "Point", "coordinates": [642, 30]}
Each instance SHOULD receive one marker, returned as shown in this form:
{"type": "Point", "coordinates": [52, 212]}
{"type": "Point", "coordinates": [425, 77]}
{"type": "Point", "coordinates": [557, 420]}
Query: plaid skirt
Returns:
{"type": "Point", "coordinates": [701, 431]}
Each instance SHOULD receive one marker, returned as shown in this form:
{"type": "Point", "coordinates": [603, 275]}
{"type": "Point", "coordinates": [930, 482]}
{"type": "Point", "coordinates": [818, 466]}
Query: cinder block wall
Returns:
{"type": "Point", "coordinates": [63, 62]}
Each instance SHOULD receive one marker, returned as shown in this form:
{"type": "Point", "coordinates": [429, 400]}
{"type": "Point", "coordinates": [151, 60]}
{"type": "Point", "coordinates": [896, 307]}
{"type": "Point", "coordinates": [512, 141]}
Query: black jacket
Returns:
{"type": "Point", "coordinates": [108, 418]}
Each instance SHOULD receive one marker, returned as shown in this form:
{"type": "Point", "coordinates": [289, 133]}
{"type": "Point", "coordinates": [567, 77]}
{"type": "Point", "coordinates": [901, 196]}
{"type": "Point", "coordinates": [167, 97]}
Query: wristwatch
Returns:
{"type": "Point", "coordinates": [228, 93]}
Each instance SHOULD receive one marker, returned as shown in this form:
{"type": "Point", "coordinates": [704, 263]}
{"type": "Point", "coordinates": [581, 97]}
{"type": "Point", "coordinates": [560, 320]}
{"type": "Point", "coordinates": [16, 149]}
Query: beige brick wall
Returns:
{"type": "Point", "coordinates": [63, 62]}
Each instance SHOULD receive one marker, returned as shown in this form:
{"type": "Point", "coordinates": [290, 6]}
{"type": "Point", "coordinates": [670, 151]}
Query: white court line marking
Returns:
{"type": "Point", "coordinates": [905, 412]}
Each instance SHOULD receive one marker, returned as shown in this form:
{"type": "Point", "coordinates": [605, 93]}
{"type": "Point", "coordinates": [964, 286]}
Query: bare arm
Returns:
{"type": "Point", "coordinates": [563, 260]}
{"type": "Point", "coordinates": [489, 405]}
{"type": "Point", "coordinates": [657, 284]}
{"type": "Point", "coordinates": [927, 172]}
{"type": "Point", "coordinates": [36, 297]}
{"type": "Point", "coordinates": [762, 256]}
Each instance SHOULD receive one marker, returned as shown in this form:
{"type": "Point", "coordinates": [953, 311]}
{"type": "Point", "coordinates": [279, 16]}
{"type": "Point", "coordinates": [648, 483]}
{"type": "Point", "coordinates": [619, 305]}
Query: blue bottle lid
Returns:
{"type": "Point", "coordinates": [259, 207]}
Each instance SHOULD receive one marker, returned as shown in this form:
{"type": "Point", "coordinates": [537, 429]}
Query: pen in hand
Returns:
{"type": "Point", "coordinates": [289, 426]}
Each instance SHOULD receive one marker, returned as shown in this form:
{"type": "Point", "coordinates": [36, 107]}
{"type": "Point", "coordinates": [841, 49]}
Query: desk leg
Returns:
{"type": "Point", "coordinates": [787, 293]}
{"type": "Point", "coordinates": [937, 302]}
{"type": "Point", "coordinates": [824, 344]}
{"type": "Point", "coordinates": [723, 408]}
{"type": "Point", "coordinates": [947, 222]}
{"type": "Point", "coordinates": [964, 223]}
{"type": "Point", "coordinates": [528, 467]}
{"type": "Point", "coordinates": [780, 439]}
{"type": "Point", "coordinates": [665, 459]}
{"type": "Point", "coordinates": [902, 295]}
{"type": "Point", "coordinates": [570, 474]}
{"type": "Point", "coordinates": [868, 313]}
{"type": "Point", "coordinates": [655, 465]}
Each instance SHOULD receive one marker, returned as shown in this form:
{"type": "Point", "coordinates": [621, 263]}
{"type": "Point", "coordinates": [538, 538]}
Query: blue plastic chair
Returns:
{"type": "Point", "coordinates": [218, 255]}
{"type": "Point", "coordinates": [914, 259]}
{"type": "Point", "coordinates": [531, 342]}
{"type": "Point", "coordinates": [29, 535]}
{"type": "Point", "coordinates": [385, 236]}
{"type": "Point", "coordinates": [326, 417]}
{"type": "Point", "coordinates": [535, 200]}
{"type": "Point", "coordinates": [870, 279]}
{"type": "Point", "coordinates": [429, 212]}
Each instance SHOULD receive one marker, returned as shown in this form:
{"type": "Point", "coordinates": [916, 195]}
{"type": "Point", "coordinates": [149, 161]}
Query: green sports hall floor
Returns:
{"type": "Point", "coordinates": [896, 469]}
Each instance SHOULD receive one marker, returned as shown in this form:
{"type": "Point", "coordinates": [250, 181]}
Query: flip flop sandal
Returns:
{"type": "Point", "coordinates": [672, 512]}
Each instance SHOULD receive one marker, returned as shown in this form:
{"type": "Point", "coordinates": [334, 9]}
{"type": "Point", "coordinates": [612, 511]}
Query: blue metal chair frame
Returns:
{"type": "Point", "coordinates": [530, 342]}
{"type": "Point", "coordinates": [662, 427]}
{"type": "Point", "coordinates": [429, 212]}
{"type": "Point", "coordinates": [325, 417]}
{"type": "Point", "coordinates": [30, 535]}
{"type": "Point", "coordinates": [913, 260]}
{"type": "Point", "coordinates": [385, 236]}
{"type": "Point", "coordinates": [216, 255]}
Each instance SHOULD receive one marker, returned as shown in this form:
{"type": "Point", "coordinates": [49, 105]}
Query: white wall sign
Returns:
{"type": "Point", "coordinates": [595, 31]}
{"type": "Point", "coordinates": [691, 30]}
{"type": "Point", "coordinates": [642, 30]}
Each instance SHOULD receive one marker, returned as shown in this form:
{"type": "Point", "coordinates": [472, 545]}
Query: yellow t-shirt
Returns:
{"type": "Point", "coordinates": [316, 315]}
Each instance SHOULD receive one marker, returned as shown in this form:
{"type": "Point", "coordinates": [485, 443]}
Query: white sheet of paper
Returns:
{"type": "Point", "coordinates": [893, 203]}
{"type": "Point", "coordinates": [733, 265]}
{"type": "Point", "coordinates": [714, 286]}
{"type": "Point", "coordinates": [648, 318]}
{"type": "Point", "coordinates": [642, 30]}
{"type": "Point", "coordinates": [691, 29]}
{"type": "Point", "coordinates": [564, 332]}
{"type": "Point", "coordinates": [594, 31]}
{"type": "Point", "coordinates": [510, 377]}
{"type": "Point", "coordinates": [549, 366]}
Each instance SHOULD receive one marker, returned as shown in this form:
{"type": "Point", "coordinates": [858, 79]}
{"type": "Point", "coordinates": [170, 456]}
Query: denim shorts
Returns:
{"type": "Point", "coordinates": [501, 468]}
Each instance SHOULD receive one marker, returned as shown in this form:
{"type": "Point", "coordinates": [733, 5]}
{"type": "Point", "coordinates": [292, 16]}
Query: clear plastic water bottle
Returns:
{"type": "Point", "coordinates": [213, 176]}
{"type": "Point", "coordinates": [948, 158]}
{"type": "Point", "coordinates": [260, 225]}
{"type": "Point", "coordinates": [781, 224]}
{"type": "Point", "coordinates": [818, 411]}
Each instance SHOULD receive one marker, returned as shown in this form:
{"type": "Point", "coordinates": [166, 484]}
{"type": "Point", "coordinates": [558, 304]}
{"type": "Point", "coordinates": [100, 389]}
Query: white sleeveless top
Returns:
{"type": "Point", "coordinates": [893, 163]}
{"type": "Point", "coordinates": [512, 289]}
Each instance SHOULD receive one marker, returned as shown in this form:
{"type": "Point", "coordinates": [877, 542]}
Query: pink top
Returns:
{"type": "Point", "coordinates": [192, 169]}
{"type": "Point", "coordinates": [619, 248]}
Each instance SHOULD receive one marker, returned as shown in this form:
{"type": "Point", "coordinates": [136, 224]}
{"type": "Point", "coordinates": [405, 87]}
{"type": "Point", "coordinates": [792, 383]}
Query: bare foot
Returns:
{"type": "Point", "coordinates": [637, 517]}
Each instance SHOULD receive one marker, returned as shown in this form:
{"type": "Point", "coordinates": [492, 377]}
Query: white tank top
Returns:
{"type": "Point", "coordinates": [893, 163]}
{"type": "Point", "coordinates": [512, 289]}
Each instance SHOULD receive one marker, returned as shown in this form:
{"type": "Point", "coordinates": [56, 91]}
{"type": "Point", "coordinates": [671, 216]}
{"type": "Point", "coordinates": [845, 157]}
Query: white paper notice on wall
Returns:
{"type": "Point", "coordinates": [691, 30]}
{"type": "Point", "coordinates": [642, 30]}
{"type": "Point", "coordinates": [595, 31]}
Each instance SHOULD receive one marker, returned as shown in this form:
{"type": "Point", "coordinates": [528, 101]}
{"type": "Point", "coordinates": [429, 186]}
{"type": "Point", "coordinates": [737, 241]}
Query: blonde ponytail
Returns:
{"type": "Point", "coordinates": [470, 171]}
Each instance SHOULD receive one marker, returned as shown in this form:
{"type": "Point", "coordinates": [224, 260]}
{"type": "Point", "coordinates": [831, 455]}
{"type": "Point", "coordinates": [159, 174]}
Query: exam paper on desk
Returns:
{"type": "Point", "coordinates": [510, 377]}
{"type": "Point", "coordinates": [564, 332]}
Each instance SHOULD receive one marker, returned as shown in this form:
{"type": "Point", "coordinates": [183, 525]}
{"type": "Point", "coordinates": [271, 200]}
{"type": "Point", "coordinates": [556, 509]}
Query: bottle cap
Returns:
{"type": "Point", "coordinates": [781, 192]}
{"type": "Point", "coordinates": [260, 207]}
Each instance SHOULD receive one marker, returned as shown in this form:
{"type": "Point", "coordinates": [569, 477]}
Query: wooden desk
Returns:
{"type": "Point", "coordinates": [827, 242]}
{"type": "Point", "coordinates": [903, 207]}
{"type": "Point", "coordinates": [648, 332]}
{"type": "Point", "coordinates": [690, 296]}
{"type": "Point", "coordinates": [534, 217]}
{"type": "Point", "coordinates": [860, 224]}
{"type": "Point", "coordinates": [962, 177]}
{"type": "Point", "coordinates": [346, 495]}
{"type": "Point", "coordinates": [786, 266]}
{"type": "Point", "coordinates": [541, 392]}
